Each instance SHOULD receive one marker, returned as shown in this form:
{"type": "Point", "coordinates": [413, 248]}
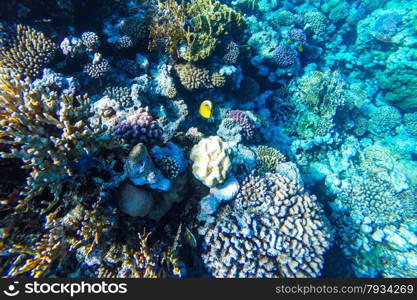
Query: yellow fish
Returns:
{"type": "Point", "coordinates": [205, 109]}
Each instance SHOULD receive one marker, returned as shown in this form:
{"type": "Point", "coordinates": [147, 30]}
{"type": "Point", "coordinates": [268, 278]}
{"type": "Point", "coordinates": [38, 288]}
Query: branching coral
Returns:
{"type": "Point", "coordinates": [49, 133]}
{"type": "Point", "coordinates": [376, 226]}
{"type": "Point", "coordinates": [27, 53]}
{"type": "Point", "coordinates": [197, 25]}
{"type": "Point", "coordinates": [268, 158]}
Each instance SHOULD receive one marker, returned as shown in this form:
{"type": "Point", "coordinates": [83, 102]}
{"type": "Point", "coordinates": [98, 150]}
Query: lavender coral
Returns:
{"type": "Point", "coordinates": [139, 127]}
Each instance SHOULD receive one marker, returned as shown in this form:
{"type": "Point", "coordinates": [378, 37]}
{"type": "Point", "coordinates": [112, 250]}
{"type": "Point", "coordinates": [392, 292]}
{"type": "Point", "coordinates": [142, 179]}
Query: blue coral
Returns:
{"type": "Point", "coordinates": [285, 56]}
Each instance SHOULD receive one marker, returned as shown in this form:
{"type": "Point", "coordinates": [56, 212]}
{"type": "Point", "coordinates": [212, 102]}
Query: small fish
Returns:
{"type": "Point", "coordinates": [300, 48]}
{"type": "Point", "coordinates": [190, 238]}
{"type": "Point", "coordinates": [205, 109]}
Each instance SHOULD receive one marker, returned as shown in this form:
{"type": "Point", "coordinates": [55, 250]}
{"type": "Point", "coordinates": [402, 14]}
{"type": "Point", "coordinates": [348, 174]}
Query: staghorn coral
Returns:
{"type": "Point", "coordinates": [211, 161]}
{"type": "Point", "coordinates": [39, 256]}
{"type": "Point", "coordinates": [27, 53]}
{"type": "Point", "coordinates": [49, 133]}
{"type": "Point", "coordinates": [271, 229]}
{"type": "Point", "coordinates": [193, 77]}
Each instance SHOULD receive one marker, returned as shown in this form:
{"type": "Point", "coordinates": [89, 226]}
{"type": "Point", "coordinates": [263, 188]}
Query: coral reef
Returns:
{"type": "Point", "coordinates": [172, 138]}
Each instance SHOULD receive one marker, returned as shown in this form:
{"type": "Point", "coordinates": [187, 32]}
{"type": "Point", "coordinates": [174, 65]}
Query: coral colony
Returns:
{"type": "Point", "coordinates": [208, 138]}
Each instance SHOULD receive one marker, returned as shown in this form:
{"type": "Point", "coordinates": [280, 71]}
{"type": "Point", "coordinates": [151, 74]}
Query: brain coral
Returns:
{"type": "Point", "coordinates": [210, 161]}
{"type": "Point", "coordinates": [271, 229]}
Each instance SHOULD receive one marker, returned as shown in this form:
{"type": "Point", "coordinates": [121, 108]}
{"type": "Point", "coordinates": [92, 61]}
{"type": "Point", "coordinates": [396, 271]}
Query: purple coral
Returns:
{"type": "Point", "coordinates": [242, 119]}
{"type": "Point", "coordinates": [298, 36]}
{"type": "Point", "coordinates": [285, 56]}
{"type": "Point", "coordinates": [139, 127]}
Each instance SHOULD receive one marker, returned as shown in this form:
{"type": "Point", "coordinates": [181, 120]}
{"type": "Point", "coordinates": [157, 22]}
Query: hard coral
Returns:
{"type": "Point", "coordinates": [285, 56]}
{"type": "Point", "coordinates": [268, 158]}
{"type": "Point", "coordinates": [50, 133]}
{"type": "Point", "coordinates": [27, 53]}
{"type": "Point", "coordinates": [98, 68]}
{"type": "Point", "coordinates": [139, 127]}
{"type": "Point", "coordinates": [211, 161]}
{"type": "Point", "coordinates": [271, 229]}
{"type": "Point", "coordinates": [193, 77]}
{"type": "Point", "coordinates": [191, 30]}
{"type": "Point", "coordinates": [243, 120]}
